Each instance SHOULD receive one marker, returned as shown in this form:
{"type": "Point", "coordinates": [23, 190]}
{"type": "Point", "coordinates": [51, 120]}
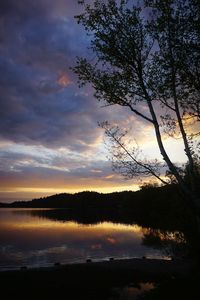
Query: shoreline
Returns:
{"type": "Point", "coordinates": [92, 280]}
{"type": "Point", "coordinates": [151, 266]}
{"type": "Point", "coordinates": [94, 261]}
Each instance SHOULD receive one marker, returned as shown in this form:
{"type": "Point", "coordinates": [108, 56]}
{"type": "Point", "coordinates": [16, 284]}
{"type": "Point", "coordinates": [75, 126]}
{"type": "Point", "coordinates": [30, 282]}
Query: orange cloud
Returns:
{"type": "Point", "coordinates": [110, 176]}
{"type": "Point", "coordinates": [64, 80]}
{"type": "Point", "coordinates": [111, 240]}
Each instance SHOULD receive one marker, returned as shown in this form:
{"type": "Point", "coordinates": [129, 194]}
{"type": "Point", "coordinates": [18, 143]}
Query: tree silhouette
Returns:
{"type": "Point", "coordinates": [147, 59]}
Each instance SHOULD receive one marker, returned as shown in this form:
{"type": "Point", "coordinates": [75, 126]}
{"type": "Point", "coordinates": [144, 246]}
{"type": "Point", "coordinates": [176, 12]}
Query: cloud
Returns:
{"type": "Point", "coordinates": [48, 127]}
{"type": "Point", "coordinates": [28, 171]}
{"type": "Point", "coordinates": [39, 100]}
{"type": "Point", "coordinates": [63, 80]}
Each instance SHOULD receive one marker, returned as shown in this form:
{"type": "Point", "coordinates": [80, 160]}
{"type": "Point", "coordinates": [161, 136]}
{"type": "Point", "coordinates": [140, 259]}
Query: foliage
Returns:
{"type": "Point", "coordinates": [147, 60]}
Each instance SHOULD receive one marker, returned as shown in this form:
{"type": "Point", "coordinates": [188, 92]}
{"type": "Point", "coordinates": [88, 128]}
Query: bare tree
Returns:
{"type": "Point", "coordinates": [147, 59]}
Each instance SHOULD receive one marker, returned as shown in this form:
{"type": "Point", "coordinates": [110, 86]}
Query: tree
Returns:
{"type": "Point", "coordinates": [148, 60]}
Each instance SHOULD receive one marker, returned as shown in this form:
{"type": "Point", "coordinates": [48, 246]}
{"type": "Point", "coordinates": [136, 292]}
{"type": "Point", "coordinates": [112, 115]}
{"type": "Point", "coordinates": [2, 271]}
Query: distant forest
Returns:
{"type": "Point", "coordinates": [161, 207]}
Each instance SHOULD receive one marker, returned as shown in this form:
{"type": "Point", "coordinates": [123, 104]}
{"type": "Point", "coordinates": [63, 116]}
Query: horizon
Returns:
{"type": "Point", "coordinates": [11, 200]}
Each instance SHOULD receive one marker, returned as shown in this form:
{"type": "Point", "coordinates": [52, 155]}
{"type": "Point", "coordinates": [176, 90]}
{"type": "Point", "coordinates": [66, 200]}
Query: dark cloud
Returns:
{"type": "Point", "coordinates": [38, 44]}
{"type": "Point", "coordinates": [50, 164]}
{"type": "Point", "coordinates": [42, 108]}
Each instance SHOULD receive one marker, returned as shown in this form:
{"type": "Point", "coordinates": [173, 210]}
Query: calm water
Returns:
{"type": "Point", "coordinates": [27, 237]}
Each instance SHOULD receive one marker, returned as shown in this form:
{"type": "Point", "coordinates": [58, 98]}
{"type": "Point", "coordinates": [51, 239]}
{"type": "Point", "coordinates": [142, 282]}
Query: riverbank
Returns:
{"type": "Point", "coordinates": [91, 280]}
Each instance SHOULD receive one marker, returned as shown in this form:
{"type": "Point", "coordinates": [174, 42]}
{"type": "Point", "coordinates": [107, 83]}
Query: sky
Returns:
{"type": "Point", "coordinates": [50, 141]}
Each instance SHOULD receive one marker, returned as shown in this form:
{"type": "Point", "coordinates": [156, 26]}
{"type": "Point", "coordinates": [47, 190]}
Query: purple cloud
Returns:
{"type": "Point", "coordinates": [41, 106]}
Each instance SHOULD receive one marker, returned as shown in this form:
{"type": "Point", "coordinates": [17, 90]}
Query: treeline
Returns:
{"type": "Point", "coordinates": [153, 206]}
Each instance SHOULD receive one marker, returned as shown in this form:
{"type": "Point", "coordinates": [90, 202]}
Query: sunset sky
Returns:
{"type": "Point", "coordinates": [50, 141]}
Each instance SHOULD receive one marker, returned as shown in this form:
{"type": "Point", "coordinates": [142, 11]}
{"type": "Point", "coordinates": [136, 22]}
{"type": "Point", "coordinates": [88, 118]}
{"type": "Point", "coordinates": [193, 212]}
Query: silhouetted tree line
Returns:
{"type": "Point", "coordinates": [155, 207]}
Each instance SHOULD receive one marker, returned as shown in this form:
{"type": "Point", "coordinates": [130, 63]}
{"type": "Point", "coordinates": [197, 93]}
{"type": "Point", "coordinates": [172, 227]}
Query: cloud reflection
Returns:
{"type": "Point", "coordinates": [25, 239]}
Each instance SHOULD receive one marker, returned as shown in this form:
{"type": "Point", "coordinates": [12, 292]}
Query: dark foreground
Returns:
{"type": "Point", "coordinates": [103, 280]}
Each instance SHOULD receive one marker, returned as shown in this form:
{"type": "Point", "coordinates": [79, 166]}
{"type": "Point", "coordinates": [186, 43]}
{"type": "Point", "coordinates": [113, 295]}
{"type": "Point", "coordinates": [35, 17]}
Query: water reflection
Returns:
{"type": "Point", "coordinates": [132, 292]}
{"type": "Point", "coordinates": [173, 244]}
{"type": "Point", "coordinates": [41, 237]}
{"type": "Point", "coordinates": [91, 217]}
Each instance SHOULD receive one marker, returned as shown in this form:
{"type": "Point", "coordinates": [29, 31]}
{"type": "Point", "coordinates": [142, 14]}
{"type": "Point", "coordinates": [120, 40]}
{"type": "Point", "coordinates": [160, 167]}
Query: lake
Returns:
{"type": "Point", "coordinates": [33, 238]}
